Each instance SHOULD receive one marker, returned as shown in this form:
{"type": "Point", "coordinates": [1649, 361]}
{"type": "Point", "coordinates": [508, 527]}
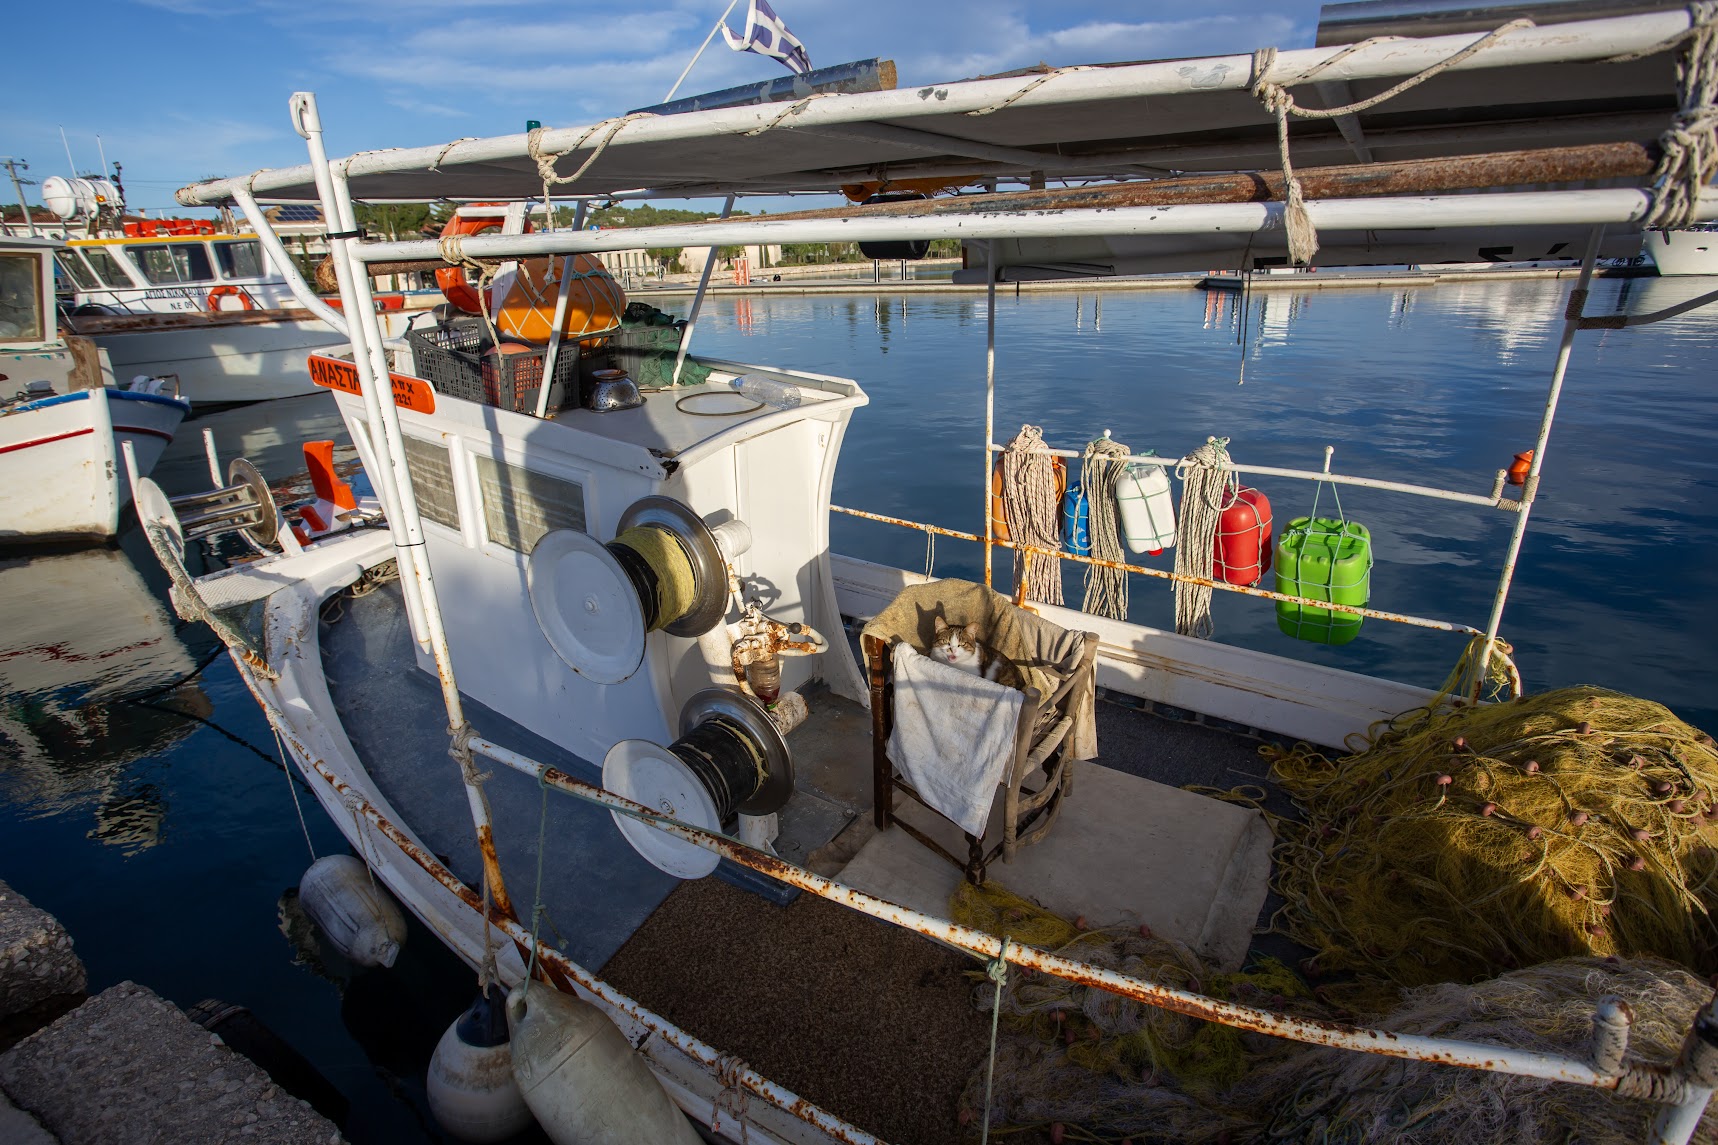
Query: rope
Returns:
{"type": "Point", "coordinates": [997, 971]}
{"type": "Point", "coordinates": [1208, 486]}
{"type": "Point", "coordinates": [792, 109]}
{"type": "Point", "coordinates": [733, 1098]}
{"type": "Point", "coordinates": [1689, 146]}
{"type": "Point", "coordinates": [1030, 88]}
{"type": "Point", "coordinates": [676, 584]}
{"type": "Point", "coordinates": [286, 766]}
{"type": "Point", "coordinates": [487, 973]}
{"type": "Point", "coordinates": [546, 160]}
{"type": "Point", "coordinates": [537, 906]}
{"type": "Point", "coordinates": [1302, 236]}
{"type": "Point", "coordinates": [452, 249]}
{"type": "Point", "coordinates": [1031, 505]}
{"type": "Point", "coordinates": [1100, 472]}
{"type": "Point", "coordinates": [930, 555]}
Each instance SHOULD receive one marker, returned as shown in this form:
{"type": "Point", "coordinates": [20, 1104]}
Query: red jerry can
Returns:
{"type": "Point", "coordinates": [1243, 544]}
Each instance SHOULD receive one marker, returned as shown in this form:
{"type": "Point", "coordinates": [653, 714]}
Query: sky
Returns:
{"type": "Point", "coordinates": [181, 90]}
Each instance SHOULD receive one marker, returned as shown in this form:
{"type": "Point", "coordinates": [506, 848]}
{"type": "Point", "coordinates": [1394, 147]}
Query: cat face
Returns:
{"type": "Point", "coordinates": [956, 646]}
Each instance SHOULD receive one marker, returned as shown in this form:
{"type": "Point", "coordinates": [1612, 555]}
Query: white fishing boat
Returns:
{"type": "Point", "coordinates": [622, 620]}
{"type": "Point", "coordinates": [63, 422]}
{"type": "Point", "coordinates": [1692, 250]}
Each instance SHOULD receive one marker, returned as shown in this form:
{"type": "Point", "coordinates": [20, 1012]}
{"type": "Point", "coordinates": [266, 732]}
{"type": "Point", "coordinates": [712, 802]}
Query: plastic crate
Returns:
{"type": "Point", "coordinates": [451, 358]}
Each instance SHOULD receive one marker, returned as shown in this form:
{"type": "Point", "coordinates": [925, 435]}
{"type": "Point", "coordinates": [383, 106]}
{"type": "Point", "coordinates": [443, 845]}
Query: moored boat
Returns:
{"type": "Point", "coordinates": [1691, 250]}
{"type": "Point", "coordinates": [632, 619]}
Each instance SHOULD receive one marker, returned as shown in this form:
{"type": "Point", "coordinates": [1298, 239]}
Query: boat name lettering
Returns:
{"type": "Point", "coordinates": [409, 392]}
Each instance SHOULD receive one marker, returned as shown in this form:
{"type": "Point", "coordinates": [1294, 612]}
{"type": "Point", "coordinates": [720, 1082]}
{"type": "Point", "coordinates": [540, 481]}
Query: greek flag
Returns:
{"type": "Point", "coordinates": [768, 36]}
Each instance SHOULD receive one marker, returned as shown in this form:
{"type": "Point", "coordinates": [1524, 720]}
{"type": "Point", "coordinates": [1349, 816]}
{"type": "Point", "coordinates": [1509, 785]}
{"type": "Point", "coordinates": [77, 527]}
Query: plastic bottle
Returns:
{"type": "Point", "coordinates": [782, 395]}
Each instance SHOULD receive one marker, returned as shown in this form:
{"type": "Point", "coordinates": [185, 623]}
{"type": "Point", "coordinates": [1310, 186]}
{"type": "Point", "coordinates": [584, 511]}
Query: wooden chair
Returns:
{"type": "Point", "coordinates": [1041, 745]}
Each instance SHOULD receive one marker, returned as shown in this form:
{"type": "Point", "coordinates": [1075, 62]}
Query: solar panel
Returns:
{"type": "Point", "coordinates": [298, 213]}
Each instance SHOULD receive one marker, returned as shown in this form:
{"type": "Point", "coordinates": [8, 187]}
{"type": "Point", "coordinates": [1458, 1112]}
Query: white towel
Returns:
{"type": "Point", "coordinates": [954, 735]}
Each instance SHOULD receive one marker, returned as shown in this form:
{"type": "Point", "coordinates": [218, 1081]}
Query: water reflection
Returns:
{"type": "Point", "coordinates": [90, 666]}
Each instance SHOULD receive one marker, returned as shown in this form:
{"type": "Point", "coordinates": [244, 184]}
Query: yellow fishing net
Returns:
{"type": "Point", "coordinates": [1462, 842]}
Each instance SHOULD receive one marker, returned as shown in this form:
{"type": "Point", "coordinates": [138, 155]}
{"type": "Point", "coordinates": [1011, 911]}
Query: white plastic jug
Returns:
{"type": "Point", "coordinates": [1146, 506]}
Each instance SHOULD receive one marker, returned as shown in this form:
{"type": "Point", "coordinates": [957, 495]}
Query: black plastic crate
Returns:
{"type": "Point", "coordinates": [452, 359]}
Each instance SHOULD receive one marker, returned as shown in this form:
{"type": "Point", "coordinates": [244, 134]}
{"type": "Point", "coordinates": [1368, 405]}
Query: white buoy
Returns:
{"type": "Point", "coordinates": [584, 1082]}
{"type": "Point", "coordinates": [471, 1088]}
{"type": "Point", "coordinates": [358, 917]}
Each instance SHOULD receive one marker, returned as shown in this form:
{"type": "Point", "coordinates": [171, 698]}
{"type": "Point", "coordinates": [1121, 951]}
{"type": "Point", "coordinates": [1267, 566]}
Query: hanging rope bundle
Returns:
{"type": "Point", "coordinates": [1302, 237]}
{"type": "Point", "coordinates": [1689, 147]}
{"type": "Point", "coordinates": [1032, 507]}
{"type": "Point", "coordinates": [1208, 486]}
{"type": "Point", "coordinates": [1465, 841]}
{"type": "Point", "coordinates": [1100, 471]}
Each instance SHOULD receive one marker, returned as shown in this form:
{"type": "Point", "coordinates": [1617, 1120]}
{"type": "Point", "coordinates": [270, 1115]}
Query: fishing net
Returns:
{"type": "Point", "coordinates": [1466, 841]}
{"type": "Point", "coordinates": [1336, 1097]}
{"type": "Point", "coordinates": [1108, 1068]}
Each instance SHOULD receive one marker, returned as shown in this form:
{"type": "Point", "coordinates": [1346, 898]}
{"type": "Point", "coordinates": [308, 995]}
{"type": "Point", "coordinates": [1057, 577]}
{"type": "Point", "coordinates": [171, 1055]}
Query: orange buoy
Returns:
{"type": "Point", "coordinates": [1519, 468]}
{"type": "Point", "coordinates": [451, 279]}
{"type": "Point", "coordinates": [525, 297]}
{"type": "Point", "coordinates": [998, 515]}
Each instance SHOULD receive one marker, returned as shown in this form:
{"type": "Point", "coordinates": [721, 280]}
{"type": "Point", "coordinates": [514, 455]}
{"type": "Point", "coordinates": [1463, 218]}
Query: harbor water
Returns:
{"type": "Point", "coordinates": [142, 798]}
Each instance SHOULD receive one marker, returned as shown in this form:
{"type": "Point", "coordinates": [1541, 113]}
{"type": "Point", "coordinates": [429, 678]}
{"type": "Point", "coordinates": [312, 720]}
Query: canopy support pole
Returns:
{"type": "Point", "coordinates": [557, 335]}
{"type": "Point", "coordinates": [697, 302]}
{"type": "Point", "coordinates": [1530, 490]}
{"type": "Point", "coordinates": [989, 400]}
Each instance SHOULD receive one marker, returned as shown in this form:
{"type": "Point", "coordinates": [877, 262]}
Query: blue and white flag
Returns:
{"type": "Point", "coordinates": [768, 36]}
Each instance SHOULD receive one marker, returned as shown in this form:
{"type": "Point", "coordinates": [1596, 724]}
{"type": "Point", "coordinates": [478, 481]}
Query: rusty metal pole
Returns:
{"type": "Point", "coordinates": [989, 400]}
{"type": "Point", "coordinates": [1530, 491]}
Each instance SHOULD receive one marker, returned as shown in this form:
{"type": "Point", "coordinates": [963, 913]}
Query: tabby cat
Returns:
{"type": "Point", "coordinates": [959, 647]}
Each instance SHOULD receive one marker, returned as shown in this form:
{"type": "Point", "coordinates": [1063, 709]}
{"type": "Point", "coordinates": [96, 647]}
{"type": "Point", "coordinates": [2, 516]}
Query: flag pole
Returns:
{"type": "Point", "coordinates": [731, 6]}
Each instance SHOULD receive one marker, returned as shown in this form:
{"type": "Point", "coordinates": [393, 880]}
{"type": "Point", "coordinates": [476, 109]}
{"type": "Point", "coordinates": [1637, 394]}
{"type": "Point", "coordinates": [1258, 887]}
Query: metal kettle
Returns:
{"type": "Point", "coordinates": [609, 390]}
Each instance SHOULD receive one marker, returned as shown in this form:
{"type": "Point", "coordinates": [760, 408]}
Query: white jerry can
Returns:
{"type": "Point", "coordinates": [360, 919]}
{"type": "Point", "coordinates": [584, 1082]}
{"type": "Point", "coordinates": [1146, 506]}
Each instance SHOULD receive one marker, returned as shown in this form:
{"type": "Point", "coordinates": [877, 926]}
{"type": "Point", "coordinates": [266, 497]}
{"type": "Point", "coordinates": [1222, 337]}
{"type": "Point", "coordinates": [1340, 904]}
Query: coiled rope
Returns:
{"type": "Point", "coordinates": [1100, 471]}
{"type": "Point", "coordinates": [1208, 486]}
{"type": "Point", "coordinates": [1302, 236]}
{"type": "Point", "coordinates": [1031, 504]}
{"type": "Point", "coordinates": [1689, 146]}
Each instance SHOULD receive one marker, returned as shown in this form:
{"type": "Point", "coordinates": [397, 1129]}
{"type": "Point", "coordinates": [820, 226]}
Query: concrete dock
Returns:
{"type": "Point", "coordinates": [125, 1066]}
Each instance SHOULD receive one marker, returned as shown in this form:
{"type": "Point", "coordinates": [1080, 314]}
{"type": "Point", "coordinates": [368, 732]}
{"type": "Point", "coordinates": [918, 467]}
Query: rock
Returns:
{"type": "Point", "coordinates": [36, 957]}
{"type": "Point", "coordinates": [127, 1068]}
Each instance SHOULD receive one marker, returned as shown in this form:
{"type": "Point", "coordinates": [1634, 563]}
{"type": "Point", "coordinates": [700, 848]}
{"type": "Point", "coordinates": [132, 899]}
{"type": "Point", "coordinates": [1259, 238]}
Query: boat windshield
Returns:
{"type": "Point", "coordinates": [106, 267]}
{"type": "Point", "coordinates": [240, 259]}
{"type": "Point", "coordinates": [73, 270]}
{"type": "Point", "coordinates": [20, 298]}
{"type": "Point", "coordinates": [167, 264]}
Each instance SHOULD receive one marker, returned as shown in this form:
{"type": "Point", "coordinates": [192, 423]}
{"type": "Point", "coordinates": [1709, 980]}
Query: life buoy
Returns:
{"type": "Point", "coordinates": [524, 299]}
{"type": "Point", "coordinates": [246, 302]}
{"type": "Point", "coordinates": [451, 279]}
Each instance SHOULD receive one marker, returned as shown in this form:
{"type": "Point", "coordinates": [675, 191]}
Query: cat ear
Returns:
{"type": "Point", "coordinates": [941, 626]}
{"type": "Point", "coordinates": [972, 631]}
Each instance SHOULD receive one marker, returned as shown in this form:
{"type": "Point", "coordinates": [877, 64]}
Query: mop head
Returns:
{"type": "Point", "coordinates": [1468, 841]}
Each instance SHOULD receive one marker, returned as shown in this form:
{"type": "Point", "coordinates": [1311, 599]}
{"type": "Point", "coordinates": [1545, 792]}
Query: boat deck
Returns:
{"type": "Point", "coordinates": [884, 1030]}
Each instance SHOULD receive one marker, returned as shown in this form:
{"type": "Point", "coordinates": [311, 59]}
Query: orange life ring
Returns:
{"type": "Point", "coordinates": [246, 302]}
{"type": "Point", "coordinates": [451, 279]}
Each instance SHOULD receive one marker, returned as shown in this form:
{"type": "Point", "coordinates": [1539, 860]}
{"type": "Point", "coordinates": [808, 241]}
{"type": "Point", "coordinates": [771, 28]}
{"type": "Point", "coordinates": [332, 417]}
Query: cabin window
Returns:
{"type": "Point", "coordinates": [107, 268]}
{"type": "Point", "coordinates": [240, 260]}
{"type": "Point", "coordinates": [432, 480]}
{"type": "Point", "coordinates": [519, 506]}
{"type": "Point", "coordinates": [168, 264]}
{"type": "Point", "coordinates": [20, 298]}
{"type": "Point", "coordinates": [73, 270]}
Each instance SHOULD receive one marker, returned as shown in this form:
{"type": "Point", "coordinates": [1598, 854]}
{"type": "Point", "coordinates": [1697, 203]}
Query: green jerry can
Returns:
{"type": "Point", "coordinates": [1323, 558]}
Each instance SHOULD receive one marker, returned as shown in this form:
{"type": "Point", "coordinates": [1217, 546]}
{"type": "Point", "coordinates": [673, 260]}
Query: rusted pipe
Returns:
{"type": "Point", "coordinates": [1244, 590]}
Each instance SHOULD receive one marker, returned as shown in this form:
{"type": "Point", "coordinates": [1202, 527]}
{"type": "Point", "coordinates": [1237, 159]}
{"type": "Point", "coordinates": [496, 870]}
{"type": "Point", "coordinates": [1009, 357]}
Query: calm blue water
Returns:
{"type": "Point", "coordinates": [158, 829]}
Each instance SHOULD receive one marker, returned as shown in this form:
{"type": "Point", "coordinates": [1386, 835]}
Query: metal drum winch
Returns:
{"type": "Point", "coordinates": [244, 506]}
{"type": "Point", "coordinates": [730, 760]}
{"type": "Point", "coordinates": [666, 570]}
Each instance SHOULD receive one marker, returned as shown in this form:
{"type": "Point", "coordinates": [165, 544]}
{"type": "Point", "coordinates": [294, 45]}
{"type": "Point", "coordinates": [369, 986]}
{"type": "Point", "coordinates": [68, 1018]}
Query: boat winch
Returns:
{"type": "Point", "coordinates": [244, 505]}
{"type": "Point", "coordinates": [731, 759]}
{"type": "Point", "coordinates": [665, 570]}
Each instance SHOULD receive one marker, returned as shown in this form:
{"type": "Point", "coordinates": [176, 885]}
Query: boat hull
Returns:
{"type": "Point", "coordinates": [66, 450]}
{"type": "Point", "coordinates": [1679, 253]}
{"type": "Point", "coordinates": [217, 361]}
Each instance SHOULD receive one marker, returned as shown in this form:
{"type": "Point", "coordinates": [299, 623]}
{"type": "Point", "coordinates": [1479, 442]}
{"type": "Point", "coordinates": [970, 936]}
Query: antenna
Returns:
{"type": "Point", "coordinates": [13, 166]}
{"type": "Point", "coordinates": [68, 146]}
{"type": "Point", "coordinates": [103, 154]}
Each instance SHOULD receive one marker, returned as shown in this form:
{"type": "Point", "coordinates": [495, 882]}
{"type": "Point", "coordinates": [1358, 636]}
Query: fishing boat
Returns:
{"type": "Point", "coordinates": [618, 616]}
{"type": "Point", "coordinates": [1690, 251]}
{"type": "Point", "coordinates": [182, 296]}
{"type": "Point", "coordinates": [63, 420]}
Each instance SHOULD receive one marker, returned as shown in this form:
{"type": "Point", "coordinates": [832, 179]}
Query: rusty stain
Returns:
{"type": "Point", "coordinates": [1381, 614]}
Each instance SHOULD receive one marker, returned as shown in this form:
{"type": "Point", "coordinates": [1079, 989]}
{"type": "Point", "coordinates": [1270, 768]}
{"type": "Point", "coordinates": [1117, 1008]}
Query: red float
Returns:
{"type": "Point", "coordinates": [1243, 544]}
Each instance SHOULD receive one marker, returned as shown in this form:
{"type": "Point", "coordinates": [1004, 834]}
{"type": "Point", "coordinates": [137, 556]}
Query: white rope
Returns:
{"type": "Point", "coordinates": [1032, 507]}
{"type": "Point", "coordinates": [1208, 486]}
{"type": "Point", "coordinates": [292, 786]}
{"type": "Point", "coordinates": [546, 160]}
{"type": "Point", "coordinates": [1100, 471]}
{"type": "Point", "coordinates": [1031, 87]}
{"type": "Point", "coordinates": [1302, 236]}
{"type": "Point", "coordinates": [1689, 146]}
{"type": "Point", "coordinates": [791, 110]}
